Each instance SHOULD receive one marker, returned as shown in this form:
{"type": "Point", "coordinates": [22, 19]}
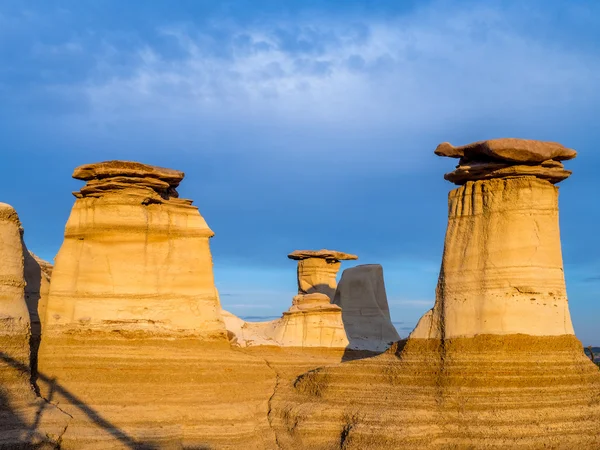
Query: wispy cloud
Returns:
{"type": "Point", "coordinates": [426, 71]}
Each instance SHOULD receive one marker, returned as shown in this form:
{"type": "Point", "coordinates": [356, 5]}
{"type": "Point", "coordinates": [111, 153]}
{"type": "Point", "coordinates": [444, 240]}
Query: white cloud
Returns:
{"type": "Point", "coordinates": [433, 69]}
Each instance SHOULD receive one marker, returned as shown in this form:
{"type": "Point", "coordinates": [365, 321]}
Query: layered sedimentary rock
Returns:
{"type": "Point", "coordinates": [312, 320]}
{"type": "Point", "coordinates": [25, 420]}
{"type": "Point", "coordinates": [495, 364]}
{"type": "Point", "coordinates": [134, 346]}
{"type": "Point", "coordinates": [317, 270]}
{"type": "Point", "coordinates": [503, 158]}
{"type": "Point", "coordinates": [37, 287]}
{"type": "Point", "coordinates": [365, 311]}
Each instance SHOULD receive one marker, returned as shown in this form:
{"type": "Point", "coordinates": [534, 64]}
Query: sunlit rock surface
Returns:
{"type": "Point", "coordinates": [26, 421]}
{"type": "Point", "coordinates": [495, 364]}
{"type": "Point", "coordinates": [133, 335]}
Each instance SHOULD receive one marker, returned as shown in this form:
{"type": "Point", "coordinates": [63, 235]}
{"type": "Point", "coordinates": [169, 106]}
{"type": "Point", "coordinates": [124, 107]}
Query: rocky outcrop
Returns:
{"type": "Point", "coordinates": [317, 270]}
{"type": "Point", "coordinates": [312, 320]}
{"type": "Point", "coordinates": [495, 364]}
{"type": "Point", "coordinates": [365, 311]}
{"type": "Point", "coordinates": [25, 420]}
{"type": "Point", "coordinates": [135, 257]}
{"type": "Point", "coordinates": [134, 347]}
{"type": "Point", "coordinates": [504, 158]}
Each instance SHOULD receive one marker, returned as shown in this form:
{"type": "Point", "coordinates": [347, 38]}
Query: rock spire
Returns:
{"type": "Point", "coordinates": [317, 270]}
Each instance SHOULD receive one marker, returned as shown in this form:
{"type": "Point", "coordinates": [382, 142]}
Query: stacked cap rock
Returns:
{"type": "Point", "coordinates": [119, 175]}
{"type": "Point", "coordinates": [317, 270]}
{"type": "Point", "coordinates": [505, 158]}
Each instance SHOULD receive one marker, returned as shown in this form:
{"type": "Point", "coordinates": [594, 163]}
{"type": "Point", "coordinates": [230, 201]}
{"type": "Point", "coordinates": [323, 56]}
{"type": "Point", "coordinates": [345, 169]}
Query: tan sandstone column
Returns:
{"type": "Point", "coordinates": [133, 332]}
{"type": "Point", "coordinates": [317, 270]}
{"type": "Point", "coordinates": [502, 269]}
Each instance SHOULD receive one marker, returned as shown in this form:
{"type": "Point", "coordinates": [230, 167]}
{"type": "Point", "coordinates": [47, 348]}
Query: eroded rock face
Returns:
{"type": "Point", "coordinates": [503, 158]}
{"type": "Point", "coordinates": [317, 270]}
{"type": "Point", "coordinates": [134, 346]}
{"type": "Point", "coordinates": [25, 420]}
{"type": "Point", "coordinates": [135, 257]}
{"type": "Point", "coordinates": [365, 310]}
{"type": "Point", "coordinates": [495, 363]}
{"type": "Point", "coordinates": [311, 321]}
{"type": "Point", "coordinates": [502, 270]}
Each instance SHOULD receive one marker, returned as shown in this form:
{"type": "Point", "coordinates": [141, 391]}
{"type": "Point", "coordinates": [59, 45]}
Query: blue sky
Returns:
{"type": "Point", "coordinates": [302, 124]}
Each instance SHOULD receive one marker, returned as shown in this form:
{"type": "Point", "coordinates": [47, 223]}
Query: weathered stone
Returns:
{"type": "Point", "coordinates": [494, 364]}
{"type": "Point", "coordinates": [311, 321]}
{"type": "Point", "coordinates": [317, 270]}
{"type": "Point", "coordinates": [551, 171]}
{"type": "Point", "coordinates": [26, 421]}
{"type": "Point", "coordinates": [330, 255]}
{"type": "Point", "coordinates": [133, 333]}
{"type": "Point", "coordinates": [508, 149]}
{"type": "Point", "coordinates": [108, 169]}
{"type": "Point", "coordinates": [502, 270]}
{"type": "Point", "coordinates": [365, 311]}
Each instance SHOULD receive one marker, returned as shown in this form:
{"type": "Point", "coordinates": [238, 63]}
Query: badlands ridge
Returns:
{"type": "Point", "coordinates": [123, 342]}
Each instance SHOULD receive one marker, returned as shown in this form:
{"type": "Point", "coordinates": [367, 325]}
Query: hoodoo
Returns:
{"type": "Point", "coordinates": [133, 333]}
{"type": "Point", "coordinates": [495, 363]}
{"type": "Point", "coordinates": [317, 270]}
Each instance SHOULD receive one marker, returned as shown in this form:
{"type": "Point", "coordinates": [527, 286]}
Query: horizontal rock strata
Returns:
{"type": "Point", "coordinates": [485, 392]}
{"type": "Point", "coordinates": [134, 346]}
{"type": "Point", "coordinates": [503, 158]}
{"type": "Point", "coordinates": [495, 363]}
{"type": "Point", "coordinates": [26, 421]}
{"type": "Point", "coordinates": [311, 321]}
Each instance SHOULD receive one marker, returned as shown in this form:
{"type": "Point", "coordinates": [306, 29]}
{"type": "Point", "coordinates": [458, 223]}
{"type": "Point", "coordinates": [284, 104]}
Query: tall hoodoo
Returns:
{"type": "Point", "coordinates": [134, 254]}
{"type": "Point", "coordinates": [317, 270]}
{"type": "Point", "coordinates": [365, 310]}
{"type": "Point", "coordinates": [133, 333]}
{"type": "Point", "coordinates": [502, 269]}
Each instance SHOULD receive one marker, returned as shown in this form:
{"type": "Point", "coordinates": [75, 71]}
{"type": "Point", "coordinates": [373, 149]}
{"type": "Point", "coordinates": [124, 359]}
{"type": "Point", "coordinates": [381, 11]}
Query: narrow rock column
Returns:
{"type": "Point", "coordinates": [14, 317]}
{"type": "Point", "coordinates": [502, 269]}
{"type": "Point", "coordinates": [317, 270]}
{"type": "Point", "coordinates": [26, 421]}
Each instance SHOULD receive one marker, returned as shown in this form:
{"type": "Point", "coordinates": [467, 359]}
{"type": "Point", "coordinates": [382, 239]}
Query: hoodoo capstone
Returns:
{"type": "Point", "coordinates": [509, 157]}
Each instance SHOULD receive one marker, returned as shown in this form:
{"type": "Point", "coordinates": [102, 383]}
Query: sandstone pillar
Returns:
{"type": "Point", "coordinates": [317, 270]}
{"type": "Point", "coordinates": [133, 332]}
{"type": "Point", "coordinates": [502, 269]}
